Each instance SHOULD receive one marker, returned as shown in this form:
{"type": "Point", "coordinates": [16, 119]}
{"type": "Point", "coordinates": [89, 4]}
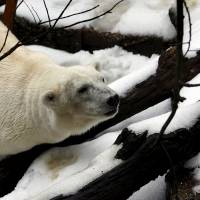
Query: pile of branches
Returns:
{"type": "Point", "coordinates": [140, 153]}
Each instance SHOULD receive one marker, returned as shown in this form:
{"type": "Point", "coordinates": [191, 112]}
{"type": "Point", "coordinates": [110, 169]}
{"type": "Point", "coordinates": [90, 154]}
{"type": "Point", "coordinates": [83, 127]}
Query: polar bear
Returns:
{"type": "Point", "coordinates": [41, 102]}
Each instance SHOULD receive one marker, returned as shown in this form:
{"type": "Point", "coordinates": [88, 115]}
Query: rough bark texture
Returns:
{"type": "Point", "coordinates": [73, 40]}
{"type": "Point", "coordinates": [9, 13]}
{"type": "Point", "coordinates": [180, 183]}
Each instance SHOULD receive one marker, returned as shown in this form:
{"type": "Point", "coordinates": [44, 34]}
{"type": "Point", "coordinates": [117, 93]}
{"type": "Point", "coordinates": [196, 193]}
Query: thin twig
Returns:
{"type": "Point", "coordinates": [47, 11]}
{"type": "Point", "coordinates": [191, 85]}
{"type": "Point", "coordinates": [23, 42]}
{"type": "Point", "coordinates": [31, 12]}
{"type": "Point", "coordinates": [19, 4]}
{"type": "Point", "coordinates": [18, 44]}
{"type": "Point", "coordinates": [176, 93]}
{"type": "Point", "coordinates": [11, 50]}
{"type": "Point", "coordinates": [61, 14]}
{"type": "Point", "coordinates": [190, 26]}
{"type": "Point", "coordinates": [36, 13]}
{"type": "Point", "coordinates": [96, 17]}
{"type": "Point", "coordinates": [78, 13]}
{"type": "Point", "coordinates": [179, 70]}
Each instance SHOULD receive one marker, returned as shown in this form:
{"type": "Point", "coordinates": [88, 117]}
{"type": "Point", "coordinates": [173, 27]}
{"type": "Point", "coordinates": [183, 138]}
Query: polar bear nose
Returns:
{"type": "Point", "coordinates": [113, 100]}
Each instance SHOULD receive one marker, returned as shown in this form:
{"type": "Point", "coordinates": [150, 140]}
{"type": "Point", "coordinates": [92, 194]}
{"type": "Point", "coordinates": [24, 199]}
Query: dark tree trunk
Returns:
{"type": "Point", "coordinates": [74, 40]}
{"type": "Point", "coordinates": [9, 13]}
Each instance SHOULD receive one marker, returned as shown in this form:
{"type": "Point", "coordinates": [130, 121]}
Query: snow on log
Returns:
{"type": "Point", "coordinates": [136, 160]}
{"type": "Point", "coordinates": [149, 92]}
{"type": "Point", "coordinates": [144, 158]}
{"type": "Point", "coordinates": [74, 40]}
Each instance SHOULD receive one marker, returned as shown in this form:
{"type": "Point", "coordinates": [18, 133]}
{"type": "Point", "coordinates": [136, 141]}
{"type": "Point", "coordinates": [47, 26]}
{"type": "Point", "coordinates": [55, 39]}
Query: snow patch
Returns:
{"type": "Point", "coordinates": [53, 172]}
{"type": "Point", "coordinates": [185, 117]}
{"type": "Point", "coordinates": [136, 17]}
{"type": "Point", "coordinates": [113, 63]}
{"type": "Point", "coordinates": [154, 190]}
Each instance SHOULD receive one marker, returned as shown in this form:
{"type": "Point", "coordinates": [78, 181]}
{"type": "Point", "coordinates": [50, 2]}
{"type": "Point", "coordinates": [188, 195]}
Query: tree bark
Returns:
{"type": "Point", "coordinates": [74, 40]}
{"type": "Point", "coordinates": [9, 13]}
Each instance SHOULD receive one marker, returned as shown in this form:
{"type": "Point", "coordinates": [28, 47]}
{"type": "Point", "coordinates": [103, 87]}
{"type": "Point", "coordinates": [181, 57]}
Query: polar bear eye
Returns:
{"type": "Point", "coordinates": [103, 79]}
{"type": "Point", "coordinates": [83, 89]}
{"type": "Point", "coordinates": [50, 97]}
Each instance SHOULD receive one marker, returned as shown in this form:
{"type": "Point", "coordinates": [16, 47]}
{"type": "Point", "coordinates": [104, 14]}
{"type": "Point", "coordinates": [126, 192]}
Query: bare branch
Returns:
{"type": "Point", "coordinates": [9, 12]}
{"type": "Point", "coordinates": [47, 11]}
{"type": "Point", "coordinates": [20, 4]}
{"type": "Point", "coordinates": [61, 14]}
{"type": "Point", "coordinates": [24, 41]}
{"type": "Point", "coordinates": [30, 11]}
{"type": "Point", "coordinates": [190, 26]}
{"type": "Point", "coordinates": [93, 18]}
{"type": "Point", "coordinates": [179, 64]}
{"type": "Point", "coordinates": [191, 85]}
{"type": "Point", "coordinates": [78, 13]}
{"type": "Point", "coordinates": [36, 13]}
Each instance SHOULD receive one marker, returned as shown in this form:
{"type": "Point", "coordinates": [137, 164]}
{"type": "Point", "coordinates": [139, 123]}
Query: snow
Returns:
{"type": "Point", "coordinates": [126, 83]}
{"type": "Point", "coordinates": [154, 190]}
{"type": "Point", "coordinates": [148, 18]}
{"type": "Point", "coordinates": [158, 109]}
{"type": "Point", "coordinates": [185, 117]}
{"type": "Point", "coordinates": [194, 163]}
{"type": "Point", "coordinates": [113, 63]}
{"type": "Point", "coordinates": [195, 42]}
{"type": "Point", "coordinates": [52, 173]}
{"type": "Point", "coordinates": [129, 17]}
{"type": "Point", "coordinates": [191, 93]}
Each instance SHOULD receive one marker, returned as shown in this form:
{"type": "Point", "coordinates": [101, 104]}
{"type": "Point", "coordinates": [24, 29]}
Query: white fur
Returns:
{"type": "Point", "coordinates": [25, 118]}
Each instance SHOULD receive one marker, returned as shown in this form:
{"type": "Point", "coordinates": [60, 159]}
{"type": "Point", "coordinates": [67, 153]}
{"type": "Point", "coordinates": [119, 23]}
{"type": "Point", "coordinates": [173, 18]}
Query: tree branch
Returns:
{"type": "Point", "coordinates": [145, 164]}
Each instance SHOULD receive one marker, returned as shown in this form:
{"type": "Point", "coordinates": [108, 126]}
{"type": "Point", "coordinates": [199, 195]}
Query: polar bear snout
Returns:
{"type": "Point", "coordinates": [113, 100]}
{"type": "Point", "coordinates": [112, 104]}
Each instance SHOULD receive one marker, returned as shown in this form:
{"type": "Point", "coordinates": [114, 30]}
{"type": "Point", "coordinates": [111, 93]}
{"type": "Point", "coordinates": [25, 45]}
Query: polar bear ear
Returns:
{"type": "Point", "coordinates": [50, 98]}
{"type": "Point", "coordinates": [95, 66]}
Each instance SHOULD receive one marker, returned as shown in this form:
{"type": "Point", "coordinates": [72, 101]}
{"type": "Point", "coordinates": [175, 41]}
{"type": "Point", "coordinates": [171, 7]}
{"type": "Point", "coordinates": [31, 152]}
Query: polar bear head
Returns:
{"type": "Point", "coordinates": [78, 99]}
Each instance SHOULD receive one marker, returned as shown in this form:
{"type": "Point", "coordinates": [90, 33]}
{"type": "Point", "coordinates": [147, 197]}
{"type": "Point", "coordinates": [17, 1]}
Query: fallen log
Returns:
{"type": "Point", "coordinates": [141, 165]}
{"type": "Point", "coordinates": [74, 40]}
{"type": "Point", "coordinates": [151, 91]}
